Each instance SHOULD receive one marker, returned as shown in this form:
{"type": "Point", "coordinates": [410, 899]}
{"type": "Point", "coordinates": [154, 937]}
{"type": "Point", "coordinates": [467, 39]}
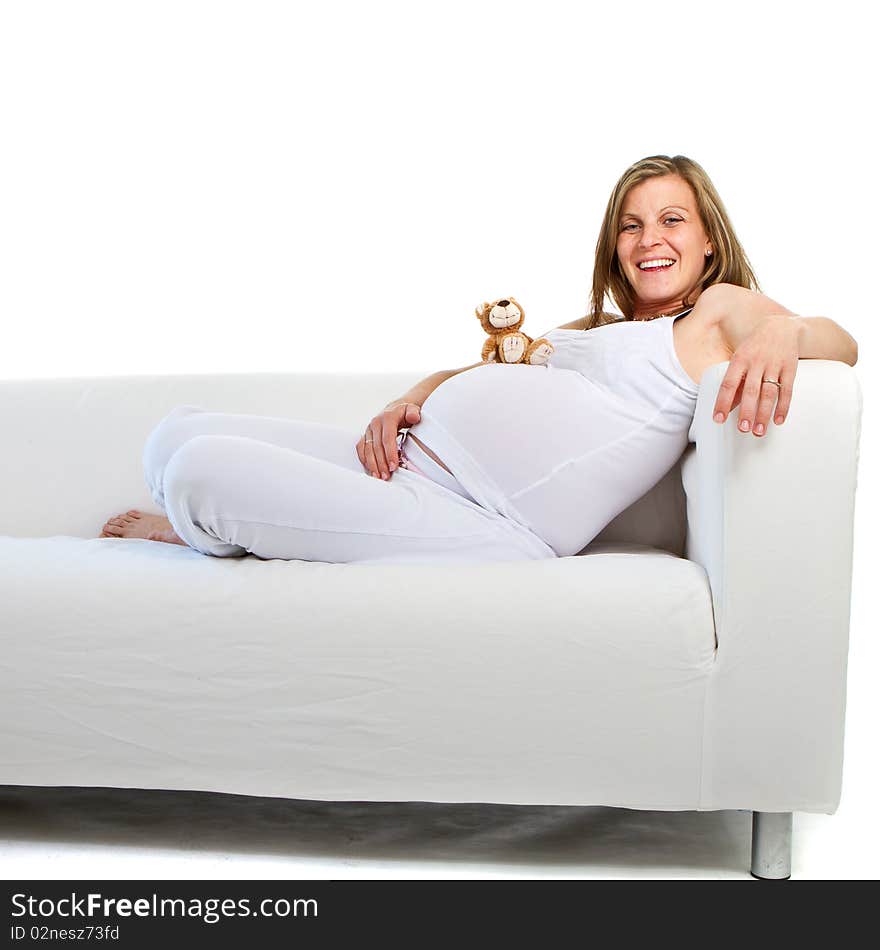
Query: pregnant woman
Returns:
{"type": "Point", "coordinates": [508, 462]}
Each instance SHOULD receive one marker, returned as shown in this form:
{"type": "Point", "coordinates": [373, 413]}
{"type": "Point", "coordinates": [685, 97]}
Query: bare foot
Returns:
{"type": "Point", "coordinates": [139, 524]}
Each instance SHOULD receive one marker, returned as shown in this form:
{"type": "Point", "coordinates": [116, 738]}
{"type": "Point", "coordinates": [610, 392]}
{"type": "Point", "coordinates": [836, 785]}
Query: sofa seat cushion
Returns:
{"type": "Point", "coordinates": [577, 680]}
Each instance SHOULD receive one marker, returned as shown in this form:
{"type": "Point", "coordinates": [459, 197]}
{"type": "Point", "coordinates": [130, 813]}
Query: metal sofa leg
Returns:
{"type": "Point", "coordinates": [771, 845]}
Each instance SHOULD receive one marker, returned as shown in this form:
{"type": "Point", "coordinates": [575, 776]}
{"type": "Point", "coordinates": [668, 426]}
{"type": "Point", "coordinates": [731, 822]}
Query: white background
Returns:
{"type": "Point", "coordinates": [258, 186]}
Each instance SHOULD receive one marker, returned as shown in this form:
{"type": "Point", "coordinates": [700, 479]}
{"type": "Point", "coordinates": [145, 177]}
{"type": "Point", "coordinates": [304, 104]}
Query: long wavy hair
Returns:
{"type": "Point", "coordinates": [728, 262]}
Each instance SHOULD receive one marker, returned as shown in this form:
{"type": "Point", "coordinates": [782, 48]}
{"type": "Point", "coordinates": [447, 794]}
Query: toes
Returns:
{"type": "Point", "coordinates": [115, 526]}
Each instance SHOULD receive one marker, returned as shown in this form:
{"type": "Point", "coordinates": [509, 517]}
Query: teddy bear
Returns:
{"type": "Point", "coordinates": [506, 343]}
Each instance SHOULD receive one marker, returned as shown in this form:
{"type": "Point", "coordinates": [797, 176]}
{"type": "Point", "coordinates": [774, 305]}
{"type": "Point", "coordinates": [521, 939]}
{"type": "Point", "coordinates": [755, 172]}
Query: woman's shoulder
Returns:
{"type": "Point", "coordinates": [605, 319]}
{"type": "Point", "coordinates": [609, 317]}
{"type": "Point", "coordinates": [721, 295]}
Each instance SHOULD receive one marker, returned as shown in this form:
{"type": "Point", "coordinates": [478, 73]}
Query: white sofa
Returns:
{"type": "Point", "coordinates": [693, 657]}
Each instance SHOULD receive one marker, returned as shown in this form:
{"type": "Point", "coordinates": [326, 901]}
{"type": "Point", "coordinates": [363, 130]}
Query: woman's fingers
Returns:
{"type": "Point", "coordinates": [372, 439]}
{"type": "Point", "coordinates": [747, 386]}
{"type": "Point", "coordinates": [390, 424]}
{"type": "Point", "coordinates": [748, 410]}
{"type": "Point", "coordinates": [382, 430]}
{"type": "Point", "coordinates": [727, 391]}
{"type": "Point", "coordinates": [377, 449]}
{"type": "Point", "coordinates": [767, 357]}
{"type": "Point", "coordinates": [766, 402]}
{"type": "Point", "coordinates": [772, 395]}
{"type": "Point", "coordinates": [789, 370]}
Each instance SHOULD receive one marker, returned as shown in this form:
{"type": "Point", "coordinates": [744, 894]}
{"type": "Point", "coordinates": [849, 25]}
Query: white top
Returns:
{"type": "Point", "coordinates": [563, 448]}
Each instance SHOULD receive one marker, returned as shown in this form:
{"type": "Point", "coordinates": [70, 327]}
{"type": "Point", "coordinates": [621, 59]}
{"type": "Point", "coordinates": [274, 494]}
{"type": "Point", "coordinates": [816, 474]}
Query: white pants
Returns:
{"type": "Point", "coordinates": [233, 484]}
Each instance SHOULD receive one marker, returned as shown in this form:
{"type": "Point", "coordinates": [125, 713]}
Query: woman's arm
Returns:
{"type": "Point", "coordinates": [741, 310]}
{"type": "Point", "coordinates": [823, 339]}
{"type": "Point", "coordinates": [765, 342]}
{"type": "Point", "coordinates": [420, 392]}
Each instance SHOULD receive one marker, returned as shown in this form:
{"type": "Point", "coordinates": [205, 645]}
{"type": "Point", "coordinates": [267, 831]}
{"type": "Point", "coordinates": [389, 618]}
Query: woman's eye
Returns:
{"type": "Point", "coordinates": [626, 227]}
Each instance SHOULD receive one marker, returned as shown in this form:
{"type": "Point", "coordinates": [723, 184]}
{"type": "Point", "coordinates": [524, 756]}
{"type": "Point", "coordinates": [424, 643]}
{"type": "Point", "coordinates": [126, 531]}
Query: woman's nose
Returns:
{"type": "Point", "coordinates": [649, 237]}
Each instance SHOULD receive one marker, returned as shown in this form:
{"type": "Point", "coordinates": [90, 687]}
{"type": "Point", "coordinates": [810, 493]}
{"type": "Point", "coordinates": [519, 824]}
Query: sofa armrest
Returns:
{"type": "Point", "coordinates": [771, 521]}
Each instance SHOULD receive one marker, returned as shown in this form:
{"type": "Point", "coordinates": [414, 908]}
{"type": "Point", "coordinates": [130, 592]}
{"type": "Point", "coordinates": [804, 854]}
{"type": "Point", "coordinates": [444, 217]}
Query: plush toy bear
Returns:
{"type": "Point", "coordinates": [506, 344]}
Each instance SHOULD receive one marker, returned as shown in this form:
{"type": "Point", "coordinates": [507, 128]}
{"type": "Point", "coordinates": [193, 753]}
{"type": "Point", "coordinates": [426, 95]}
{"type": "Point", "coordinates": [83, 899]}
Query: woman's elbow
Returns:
{"type": "Point", "coordinates": [854, 350]}
{"type": "Point", "coordinates": [849, 342]}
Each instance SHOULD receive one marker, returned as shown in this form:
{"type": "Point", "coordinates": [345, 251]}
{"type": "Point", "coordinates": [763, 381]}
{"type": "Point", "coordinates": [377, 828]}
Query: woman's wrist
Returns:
{"type": "Point", "coordinates": [790, 321]}
{"type": "Point", "coordinates": [414, 396]}
{"type": "Point", "coordinates": [798, 322]}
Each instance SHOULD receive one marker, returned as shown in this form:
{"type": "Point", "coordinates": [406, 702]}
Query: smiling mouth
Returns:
{"type": "Point", "coordinates": [655, 269]}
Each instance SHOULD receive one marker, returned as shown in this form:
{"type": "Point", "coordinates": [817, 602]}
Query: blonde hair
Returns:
{"type": "Point", "coordinates": [728, 262]}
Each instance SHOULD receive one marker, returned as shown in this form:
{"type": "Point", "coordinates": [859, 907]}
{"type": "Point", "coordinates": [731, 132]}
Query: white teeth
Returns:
{"type": "Point", "coordinates": [649, 265]}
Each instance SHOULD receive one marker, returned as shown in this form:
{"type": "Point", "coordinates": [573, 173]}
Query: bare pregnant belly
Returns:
{"type": "Point", "coordinates": [428, 452]}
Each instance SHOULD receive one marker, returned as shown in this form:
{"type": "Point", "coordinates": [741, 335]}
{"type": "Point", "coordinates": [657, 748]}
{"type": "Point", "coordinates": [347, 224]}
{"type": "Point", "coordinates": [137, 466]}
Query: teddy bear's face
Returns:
{"type": "Point", "coordinates": [504, 314]}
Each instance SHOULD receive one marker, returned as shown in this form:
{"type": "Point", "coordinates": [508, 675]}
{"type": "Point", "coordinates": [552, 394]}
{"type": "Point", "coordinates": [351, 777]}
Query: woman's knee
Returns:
{"type": "Point", "coordinates": [167, 437]}
{"type": "Point", "coordinates": [163, 441]}
{"type": "Point", "coordinates": [196, 490]}
{"type": "Point", "coordinates": [194, 468]}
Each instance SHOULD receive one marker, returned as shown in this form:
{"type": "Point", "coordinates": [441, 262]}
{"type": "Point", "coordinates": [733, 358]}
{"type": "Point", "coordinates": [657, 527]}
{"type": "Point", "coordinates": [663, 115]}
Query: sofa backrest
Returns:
{"type": "Point", "coordinates": [72, 448]}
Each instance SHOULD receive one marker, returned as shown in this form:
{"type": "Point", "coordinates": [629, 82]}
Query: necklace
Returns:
{"type": "Point", "coordinates": [659, 315]}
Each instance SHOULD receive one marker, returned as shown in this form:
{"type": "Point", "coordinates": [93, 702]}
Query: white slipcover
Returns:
{"type": "Point", "coordinates": [692, 657]}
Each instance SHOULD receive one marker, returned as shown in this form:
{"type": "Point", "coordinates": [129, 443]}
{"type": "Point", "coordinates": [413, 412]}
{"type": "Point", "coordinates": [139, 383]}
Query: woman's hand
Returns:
{"type": "Point", "coordinates": [769, 352]}
{"type": "Point", "coordinates": [377, 447]}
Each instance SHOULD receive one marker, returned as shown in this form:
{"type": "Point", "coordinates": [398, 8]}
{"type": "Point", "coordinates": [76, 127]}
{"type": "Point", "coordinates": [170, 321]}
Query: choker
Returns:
{"type": "Point", "coordinates": [659, 315]}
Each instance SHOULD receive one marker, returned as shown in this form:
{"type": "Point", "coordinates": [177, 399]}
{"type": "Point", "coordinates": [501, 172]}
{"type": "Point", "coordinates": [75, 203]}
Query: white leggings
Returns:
{"type": "Point", "coordinates": [233, 484]}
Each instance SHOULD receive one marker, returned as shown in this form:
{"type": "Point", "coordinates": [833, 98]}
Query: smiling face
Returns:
{"type": "Point", "coordinates": [660, 223]}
